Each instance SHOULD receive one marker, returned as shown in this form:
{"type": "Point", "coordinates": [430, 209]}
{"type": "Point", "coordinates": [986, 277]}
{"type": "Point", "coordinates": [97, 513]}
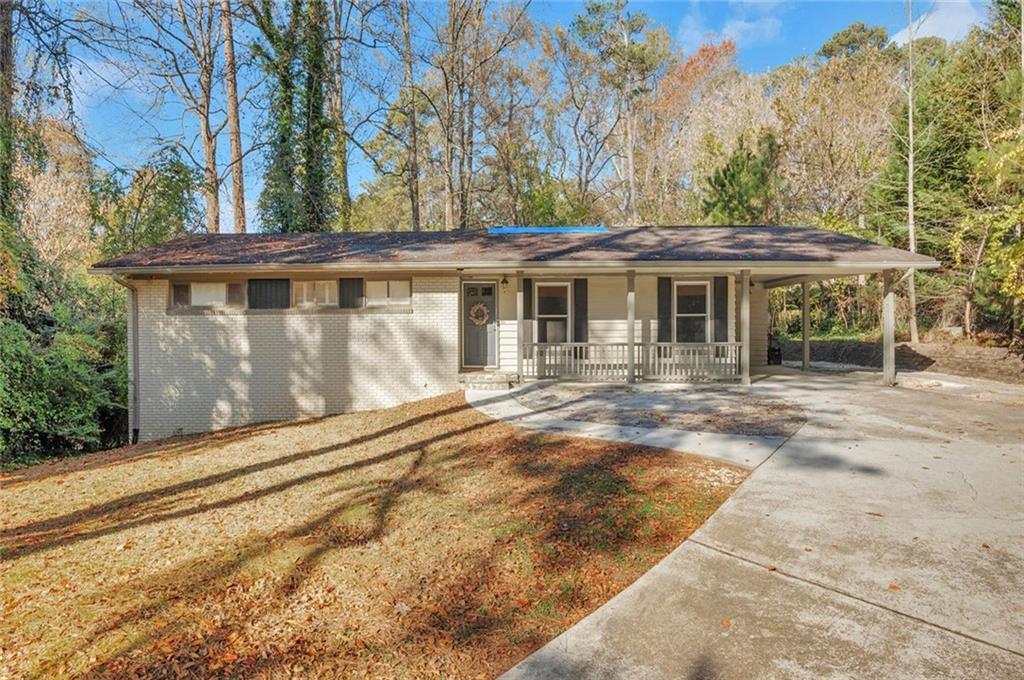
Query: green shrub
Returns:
{"type": "Point", "coordinates": [54, 393]}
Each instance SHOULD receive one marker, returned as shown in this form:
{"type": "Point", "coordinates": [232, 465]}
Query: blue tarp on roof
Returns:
{"type": "Point", "coordinates": [571, 229]}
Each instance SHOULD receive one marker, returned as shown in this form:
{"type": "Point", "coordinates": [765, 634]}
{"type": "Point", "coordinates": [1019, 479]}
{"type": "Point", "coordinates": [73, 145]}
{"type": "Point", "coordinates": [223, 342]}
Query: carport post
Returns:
{"type": "Point", "coordinates": [520, 312]}
{"type": "Point", "coordinates": [745, 327]}
{"type": "Point", "coordinates": [888, 329]}
{"type": "Point", "coordinates": [631, 326]}
{"type": "Point", "coordinates": [806, 326]}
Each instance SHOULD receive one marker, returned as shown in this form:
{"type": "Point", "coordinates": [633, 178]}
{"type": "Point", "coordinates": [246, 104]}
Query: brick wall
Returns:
{"type": "Point", "coordinates": [204, 371]}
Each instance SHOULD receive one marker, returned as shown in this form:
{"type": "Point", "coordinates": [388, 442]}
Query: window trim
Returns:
{"type": "Point", "coordinates": [708, 312]}
{"type": "Point", "coordinates": [537, 285]}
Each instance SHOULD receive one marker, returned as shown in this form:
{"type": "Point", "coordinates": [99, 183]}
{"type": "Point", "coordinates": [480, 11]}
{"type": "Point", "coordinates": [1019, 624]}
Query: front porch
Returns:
{"type": "Point", "coordinates": [608, 326]}
{"type": "Point", "coordinates": [684, 325]}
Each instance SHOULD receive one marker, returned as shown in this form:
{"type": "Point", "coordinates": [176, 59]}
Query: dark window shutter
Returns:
{"type": "Point", "coordinates": [579, 310]}
{"type": "Point", "coordinates": [269, 293]}
{"type": "Point", "coordinates": [352, 295]}
{"type": "Point", "coordinates": [527, 298]}
{"type": "Point", "coordinates": [181, 295]}
{"type": "Point", "coordinates": [664, 309]}
{"type": "Point", "coordinates": [720, 308]}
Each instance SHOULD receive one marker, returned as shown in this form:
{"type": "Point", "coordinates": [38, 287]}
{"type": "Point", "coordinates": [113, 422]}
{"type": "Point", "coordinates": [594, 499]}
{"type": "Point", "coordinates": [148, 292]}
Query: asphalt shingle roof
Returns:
{"type": "Point", "coordinates": [478, 247]}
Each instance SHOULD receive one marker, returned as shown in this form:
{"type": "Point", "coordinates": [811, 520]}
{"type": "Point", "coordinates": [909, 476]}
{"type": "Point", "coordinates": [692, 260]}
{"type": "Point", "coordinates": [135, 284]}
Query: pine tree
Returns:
{"type": "Point", "coordinates": [746, 189]}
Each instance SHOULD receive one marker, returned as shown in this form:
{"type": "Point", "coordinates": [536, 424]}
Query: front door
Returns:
{"type": "Point", "coordinates": [479, 325]}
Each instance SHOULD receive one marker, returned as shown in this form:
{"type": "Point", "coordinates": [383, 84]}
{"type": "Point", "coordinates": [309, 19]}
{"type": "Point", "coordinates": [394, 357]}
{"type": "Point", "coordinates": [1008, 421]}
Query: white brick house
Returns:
{"type": "Point", "coordinates": [229, 330]}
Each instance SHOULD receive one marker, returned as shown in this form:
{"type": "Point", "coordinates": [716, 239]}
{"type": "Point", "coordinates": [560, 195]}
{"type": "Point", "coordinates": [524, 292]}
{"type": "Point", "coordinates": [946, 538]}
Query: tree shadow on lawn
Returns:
{"type": "Point", "coordinates": [152, 506]}
{"type": "Point", "coordinates": [469, 550]}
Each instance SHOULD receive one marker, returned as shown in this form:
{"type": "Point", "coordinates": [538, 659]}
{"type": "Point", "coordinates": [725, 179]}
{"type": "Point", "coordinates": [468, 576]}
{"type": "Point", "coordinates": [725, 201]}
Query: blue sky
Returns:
{"type": "Point", "coordinates": [768, 33]}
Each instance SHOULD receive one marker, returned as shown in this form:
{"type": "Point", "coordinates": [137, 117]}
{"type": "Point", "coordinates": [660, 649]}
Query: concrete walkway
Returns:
{"type": "Point", "coordinates": [884, 539]}
{"type": "Point", "coordinates": [743, 450]}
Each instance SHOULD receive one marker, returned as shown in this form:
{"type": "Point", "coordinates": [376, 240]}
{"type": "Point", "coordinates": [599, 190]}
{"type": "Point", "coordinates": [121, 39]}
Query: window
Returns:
{"type": "Point", "coordinates": [691, 312]}
{"type": "Point", "coordinates": [315, 293]}
{"type": "Point", "coordinates": [269, 293]}
{"type": "Point", "coordinates": [181, 295]}
{"type": "Point", "coordinates": [388, 293]}
{"type": "Point", "coordinates": [207, 295]}
{"type": "Point", "coordinates": [552, 312]}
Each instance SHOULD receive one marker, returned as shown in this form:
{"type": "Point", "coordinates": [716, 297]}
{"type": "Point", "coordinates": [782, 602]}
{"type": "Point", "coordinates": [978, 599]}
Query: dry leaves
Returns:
{"type": "Point", "coordinates": [418, 541]}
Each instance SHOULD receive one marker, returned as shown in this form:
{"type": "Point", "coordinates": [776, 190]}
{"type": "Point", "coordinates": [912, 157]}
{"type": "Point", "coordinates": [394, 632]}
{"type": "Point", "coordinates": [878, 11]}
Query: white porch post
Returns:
{"type": "Point", "coordinates": [745, 327]}
{"type": "Point", "coordinates": [520, 311]}
{"type": "Point", "coordinates": [888, 329]}
{"type": "Point", "coordinates": [806, 326]}
{"type": "Point", "coordinates": [630, 326]}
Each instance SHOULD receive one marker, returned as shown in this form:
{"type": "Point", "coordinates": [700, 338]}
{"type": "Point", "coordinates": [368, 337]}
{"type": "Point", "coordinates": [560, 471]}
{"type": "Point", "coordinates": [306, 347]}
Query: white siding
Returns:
{"type": "Point", "coordinates": [759, 323]}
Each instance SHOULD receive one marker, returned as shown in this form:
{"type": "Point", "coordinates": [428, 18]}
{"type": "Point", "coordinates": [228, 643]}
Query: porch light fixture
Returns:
{"type": "Point", "coordinates": [504, 281]}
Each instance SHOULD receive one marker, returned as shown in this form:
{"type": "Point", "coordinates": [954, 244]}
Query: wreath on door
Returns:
{"type": "Point", "coordinates": [479, 314]}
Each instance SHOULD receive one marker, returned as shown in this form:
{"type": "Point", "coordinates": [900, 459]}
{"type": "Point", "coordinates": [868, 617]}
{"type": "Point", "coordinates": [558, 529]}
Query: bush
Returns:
{"type": "Point", "coordinates": [54, 394]}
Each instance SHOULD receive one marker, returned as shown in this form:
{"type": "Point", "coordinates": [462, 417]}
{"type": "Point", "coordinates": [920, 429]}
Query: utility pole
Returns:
{"type": "Point", "coordinates": [911, 228]}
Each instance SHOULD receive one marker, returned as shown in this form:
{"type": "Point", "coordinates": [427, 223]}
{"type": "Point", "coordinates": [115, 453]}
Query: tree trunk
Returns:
{"type": "Point", "coordinates": [1018, 230]}
{"type": "Point", "coordinates": [969, 302]}
{"type": "Point", "coordinates": [911, 227]}
{"type": "Point", "coordinates": [337, 109]}
{"type": "Point", "coordinates": [7, 109]}
{"type": "Point", "coordinates": [234, 126]}
{"type": "Point", "coordinates": [450, 82]}
{"type": "Point", "coordinates": [211, 184]}
{"type": "Point", "coordinates": [631, 211]}
{"type": "Point", "coordinates": [412, 151]}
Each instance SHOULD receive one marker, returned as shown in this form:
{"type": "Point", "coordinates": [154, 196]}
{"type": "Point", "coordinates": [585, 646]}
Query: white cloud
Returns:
{"type": "Point", "coordinates": [950, 21]}
{"type": "Point", "coordinates": [749, 24]}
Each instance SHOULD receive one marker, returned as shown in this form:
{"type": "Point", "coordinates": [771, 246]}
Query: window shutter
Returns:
{"type": "Point", "coordinates": [351, 294]}
{"type": "Point", "coordinates": [720, 308]}
{"type": "Point", "coordinates": [579, 310]}
{"type": "Point", "coordinates": [664, 309]}
{"type": "Point", "coordinates": [527, 298]}
{"type": "Point", "coordinates": [269, 293]}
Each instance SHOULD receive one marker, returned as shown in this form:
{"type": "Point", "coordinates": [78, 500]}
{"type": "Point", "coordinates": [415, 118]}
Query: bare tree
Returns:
{"type": "Point", "coordinates": [234, 125]}
{"type": "Point", "coordinates": [175, 45]}
{"type": "Point", "coordinates": [467, 45]}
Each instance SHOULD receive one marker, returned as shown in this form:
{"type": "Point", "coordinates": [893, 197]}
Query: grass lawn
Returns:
{"type": "Point", "coordinates": [419, 540]}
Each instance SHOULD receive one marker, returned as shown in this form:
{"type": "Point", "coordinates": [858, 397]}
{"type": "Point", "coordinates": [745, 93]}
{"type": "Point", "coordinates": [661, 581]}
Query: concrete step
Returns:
{"type": "Point", "coordinates": [488, 380]}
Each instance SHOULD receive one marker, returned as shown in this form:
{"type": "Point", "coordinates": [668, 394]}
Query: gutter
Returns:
{"type": "Point", "coordinates": [133, 324]}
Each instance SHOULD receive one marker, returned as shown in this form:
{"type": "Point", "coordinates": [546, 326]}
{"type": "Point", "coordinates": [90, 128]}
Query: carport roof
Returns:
{"type": "Point", "coordinates": [738, 247]}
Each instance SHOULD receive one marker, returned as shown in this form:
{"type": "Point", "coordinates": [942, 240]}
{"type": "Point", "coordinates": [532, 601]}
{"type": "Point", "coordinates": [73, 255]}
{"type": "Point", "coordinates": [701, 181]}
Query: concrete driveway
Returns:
{"type": "Point", "coordinates": [885, 538]}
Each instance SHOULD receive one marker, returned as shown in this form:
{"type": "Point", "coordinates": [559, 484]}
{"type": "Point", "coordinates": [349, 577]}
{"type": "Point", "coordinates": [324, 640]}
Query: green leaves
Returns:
{"type": "Point", "coordinates": [746, 189]}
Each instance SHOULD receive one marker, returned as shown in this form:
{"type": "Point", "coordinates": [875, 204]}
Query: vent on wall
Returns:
{"type": "Point", "coordinates": [571, 229]}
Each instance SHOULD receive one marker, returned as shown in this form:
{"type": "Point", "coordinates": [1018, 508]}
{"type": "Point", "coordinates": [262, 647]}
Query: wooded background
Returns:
{"type": "Point", "coordinates": [471, 114]}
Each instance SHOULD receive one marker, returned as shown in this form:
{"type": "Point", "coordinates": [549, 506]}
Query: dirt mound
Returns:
{"type": "Point", "coordinates": [962, 358]}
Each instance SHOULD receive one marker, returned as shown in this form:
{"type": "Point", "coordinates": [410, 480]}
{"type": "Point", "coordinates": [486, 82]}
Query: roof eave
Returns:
{"type": "Point", "coordinates": [760, 265]}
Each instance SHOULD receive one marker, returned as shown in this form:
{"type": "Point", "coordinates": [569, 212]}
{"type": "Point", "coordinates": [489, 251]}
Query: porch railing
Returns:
{"type": "Point", "coordinates": [652, 361]}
